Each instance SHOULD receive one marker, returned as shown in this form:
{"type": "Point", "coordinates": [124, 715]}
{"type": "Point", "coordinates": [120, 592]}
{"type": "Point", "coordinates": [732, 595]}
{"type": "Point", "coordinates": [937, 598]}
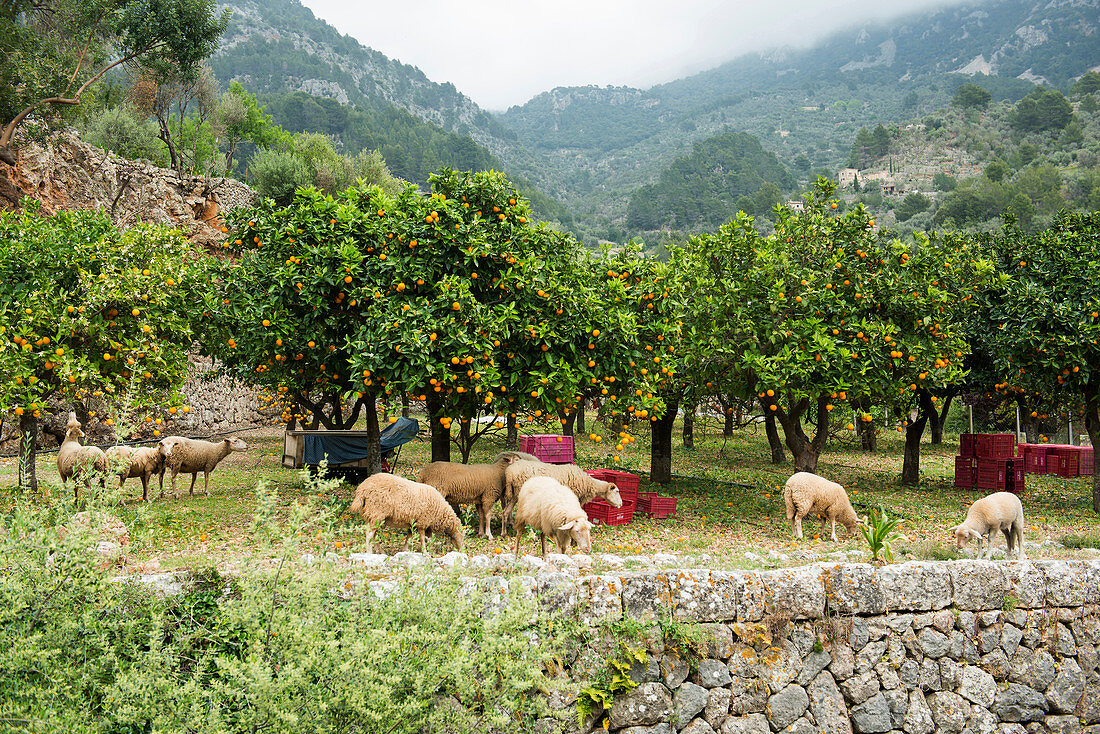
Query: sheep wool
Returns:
{"type": "Point", "coordinates": [142, 462]}
{"type": "Point", "coordinates": [808, 494]}
{"type": "Point", "coordinates": [191, 456]}
{"type": "Point", "coordinates": [552, 509]}
{"type": "Point", "coordinates": [1000, 511]}
{"type": "Point", "coordinates": [395, 502]}
{"type": "Point", "coordinates": [585, 487]}
{"type": "Point", "coordinates": [79, 462]}
{"type": "Point", "coordinates": [480, 485]}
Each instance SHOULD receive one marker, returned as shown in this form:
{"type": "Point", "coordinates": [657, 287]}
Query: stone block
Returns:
{"type": "Point", "coordinates": [711, 673]}
{"type": "Point", "coordinates": [703, 596]}
{"type": "Point", "coordinates": [918, 716]}
{"type": "Point", "coordinates": [978, 686]}
{"type": "Point", "coordinates": [917, 586]}
{"type": "Point", "coordinates": [1066, 689]}
{"type": "Point", "coordinates": [749, 724]}
{"type": "Point", "coordinates": [751, 594]}
{"type": "Point", "coordinates": [795, 593]}
{"type": "Point", "coordinates": [1027, 584]}
{"type": "Point", "coordinates": [786, 706]}
{"type": "Point", "coordinates": [949, 711]}
{"type": "Point", "coordinates": [1018, 703]}
{"type": "Point", "coordinates": [853, 588]}
{"type": "Point", "coordinates": [718, 707]}
{"type": "Point", "coordinates": [978, 584]}
{"type": "Point", "coordinates": [872, 716]}
{"type": "Point", "coordinates": [600, 599]}
{"type": "Point", "coordinates": [688, 702]}
{"type": "Point", "coordinates": [827, 706]}
{"type": "Point", "coordinates": [1066, 582]}
{"type": "Point", "coordinates": [647, 596]}
{"type": "Point", "coordinates": [646, 705]}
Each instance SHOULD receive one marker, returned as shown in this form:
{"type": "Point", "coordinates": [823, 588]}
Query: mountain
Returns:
{"type": "Point", "coordinates": [801, 102]}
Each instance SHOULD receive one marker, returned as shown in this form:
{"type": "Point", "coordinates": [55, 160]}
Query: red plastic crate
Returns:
{"type": "Point", "coordinates": [662, 508]}
{"type": "Point", "coordinates": [993, 473]}
{"type": "Point", "coordinates": [552, 449]}
{"type": "Point", "coordinates": [1088, 462]}
{"type": "Point", "coordinates": [1067, 460]}
{"type": "Point", "coordinates": [621, 479]}
{"type": "Point", "coordinates": [966, 473]}
{"type": "Point", "coordinates": [602, 513]}
{"type": "Point", "coordinates": [1014, 480]}
{"type": "Point", "coordinates": [966, 444]}
{"type": "Point", "coordinates": [994, 445]}
{"type": "Point", "coordinates": [1034, 457]}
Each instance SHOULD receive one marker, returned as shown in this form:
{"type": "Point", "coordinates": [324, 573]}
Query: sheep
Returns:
{"type": "Point", "coordinates": [396, 502]}
{"type": "Point", "coordinates": [552, 508]}
{"type": "Point", "coordinates": [76, 461]}
{"type": "Point", "coordinates": [480, 485]}
{"type": "Point", "coordinates": [998, 511]}
{"type": "Point", "coordinates": [143, 462]}
{"type": "Point", "coordinates": [806, 493]}
{"type": "Point", "coordinates": [190, 456]}
{"type": "Point", "coordinates": [586, 488]}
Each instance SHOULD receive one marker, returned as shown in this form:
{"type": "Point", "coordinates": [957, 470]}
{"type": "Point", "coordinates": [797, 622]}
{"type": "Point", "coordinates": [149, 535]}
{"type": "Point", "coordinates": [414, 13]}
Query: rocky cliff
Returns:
{"type": "Point", "coordinates": [67, 173]}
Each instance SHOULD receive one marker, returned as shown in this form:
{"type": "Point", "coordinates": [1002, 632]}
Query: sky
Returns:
{"type": "Point", "coordinates": [503, 52]}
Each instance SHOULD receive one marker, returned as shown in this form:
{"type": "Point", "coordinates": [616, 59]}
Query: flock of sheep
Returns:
{"type": "Point", "coordinates": [546, 497]}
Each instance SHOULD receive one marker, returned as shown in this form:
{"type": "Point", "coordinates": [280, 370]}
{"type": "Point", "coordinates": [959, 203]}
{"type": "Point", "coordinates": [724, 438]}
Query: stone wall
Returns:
{"type": "Point", "coordinates": [218, 403]}
{"type": "Point", "coordinates": [967, 646]}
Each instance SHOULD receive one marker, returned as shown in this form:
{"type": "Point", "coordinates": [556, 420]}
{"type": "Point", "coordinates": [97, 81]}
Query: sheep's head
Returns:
{"type": "Point", "coordinates": [964, 534]}
{"type": "Point", "coordinates": [72, 422]}
{"type": "Point", "coordinates": [236, 444]}
{"type": "Point", "coordinates": [165, 446]}
{"type": "Point", "coordinates": [580, 531]}
{"type": "Point", "coordinates": [455, 535]}
{"type": "Point", "coordinates": [612, 496]}
{"type": "Point", "coordinates": [73, 432]}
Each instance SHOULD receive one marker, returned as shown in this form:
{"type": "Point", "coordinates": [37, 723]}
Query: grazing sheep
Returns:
{"type": "Point", "coordinates": [553, 509]}
{"type": "Point", "coordinates": [480, 485]}
{"type": "Point", "coordinates": [190, 456]}
{"type": "Point", "coordinates": [586, 488]}
{"type": "Point", "coordinates": [396, 502]}
{"type": "Point", "coordinates": [76, 461]}
{"type": "Point", "coordinates": [998, 511]}
{"type": "Point", "coordinates": [143, 462]}
{"type": "Point", "coordinates": [806, 493]}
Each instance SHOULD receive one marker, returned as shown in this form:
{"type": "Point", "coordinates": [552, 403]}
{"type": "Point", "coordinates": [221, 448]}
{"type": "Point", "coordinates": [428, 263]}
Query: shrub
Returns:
{"type": "Point", "coordinates": [277, 174]}
{"type": "Point", "coordinates": [122, 131]}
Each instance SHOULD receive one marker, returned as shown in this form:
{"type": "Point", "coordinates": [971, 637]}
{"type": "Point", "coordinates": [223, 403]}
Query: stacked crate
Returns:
{"type": "Point", "coordinates": [656, 506]}
{"type": "Point", "coordinates": [988, 461]}
{"type": "Point", "coordinates": [551, 448]}
{"type": "Point", "coordinates": [602, 512]}
{"type": "Point", "coordinates": [1034, 457]}
{"type": "Point", "coordinates": [1071, 461]}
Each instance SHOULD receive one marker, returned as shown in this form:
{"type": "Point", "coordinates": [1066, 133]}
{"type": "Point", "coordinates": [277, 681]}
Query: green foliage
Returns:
{"type": "Point", "coordinates": [1043, 109]}
{"type": "Point", "coordinates": [911, 205]}
{"type": "Point", "coordinates": [278, 174]}
{"type": "Point", "coordinates": [595, 699]}
{"type": "Point", "coordinates": [880, 534]}
{"type": "Point", "coordinates": [123, 130]}
{"type": "Point", "coordinates": [254, 651]}
{"type": "Point", "coordinates": [1088, 83]}
{"type": "Point", "coordinates": [971, 95]}
{"type": "Point", "coordinates": [57, 49]}
{"type": "Point", "coordinates": [701, 189]}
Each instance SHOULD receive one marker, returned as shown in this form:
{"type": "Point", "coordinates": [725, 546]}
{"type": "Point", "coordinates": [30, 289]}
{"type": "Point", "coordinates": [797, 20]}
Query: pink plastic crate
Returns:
{"type": "Point", "coordinates": [602, 513]}
{"type": "Point", "coordinates": [966, 444]}
{"type": "Point", "coordinates": [994, 473]}
{"type": "Point", "coordinates": [966, 473]}
{"type": "Point", "coordinates": [1034, 457]}
{"type": "Point", "coordinates": [552, 449]}
{"type": "Point", "coordinates": [1088, 462]}
{"type": "Point", "coordinates": [994, 445]}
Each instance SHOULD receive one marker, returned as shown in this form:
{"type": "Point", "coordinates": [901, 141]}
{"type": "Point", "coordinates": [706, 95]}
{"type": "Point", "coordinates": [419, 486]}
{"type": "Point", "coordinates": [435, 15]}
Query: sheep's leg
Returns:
{"type": "Point", "coordinates": [519, 534]}
{"type": "Point", "coordinates": [175, 493]}
{"type": "Point", "coordinates": [485, 517]}
{"type": "Point", "coordinates": [423, 543]}
{"type": "Point", "coordinates": [506, 515]}
{"type": "Point", "coordinates": [145, 487]}
{"type": "Point", "coordinates": [797, 526]}
{"type": "Point", "coordinates": [370, 537]}
{"type": "Point", "coordinates": [832, 528]}
{"type": "Point", "coordinates": [1018, 530]}
{"type": "Point", "coordinates": [206, 477]}
{"type": "Point", "coordinates": [542, 537]}
{"type": "Point", "coordinates": [191, 492]}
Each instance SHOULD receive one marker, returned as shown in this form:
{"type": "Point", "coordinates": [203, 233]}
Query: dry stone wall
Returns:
{"type": "Point", "coordinates": [218, 402]}
{"type": "Point", "coordinates": [970, 646]}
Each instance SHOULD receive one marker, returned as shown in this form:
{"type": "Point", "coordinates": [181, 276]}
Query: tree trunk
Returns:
{"type": "Point", "coordinates": [464, 442]}
{"type": "Point", "coordinates": [660, 454]}
{"type": "Point", "coordinates": [938, 418]}
{"type": "Point", "coordinates": [405, 405]}
{"type": "Point", "coordinates": [512, 440]}
{"type": "Point", "coordinates": [804, 451]}
{"type": "Point", "coordinates": [774, 441]}
{"type": "Point", "coordinates": [580, 418]}
{"type": "Point", "coordinates": [28, 444]}
{"type": "Point", "coordinates": [868, 435]}
{"type": "Point", "coordinates": [910, 466]}
{"type": "Point", "coordinates": [567, 422]}
{"type": "Point", "coordinates": [727, 427]}
{"type": "Point", "coordinates": [441, 437]}
{"type": "Point", "coordinates": [374, 434]}
{"type": "Point", "coordinates": [689, 427]}
{"type": "Point", "coordinates": [1092, 425]}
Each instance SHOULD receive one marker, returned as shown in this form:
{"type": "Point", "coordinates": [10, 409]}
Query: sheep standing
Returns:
{"type": "Point", "coordinates": [396, 502]}
{"type": "Point", "coordinates": [806, 493]}
{"type": "Point", "coordinates": [143, 462]}
{"type": "Point", "coordinates": [190, 456]}
{"type": "Point", "coordinates": [585, 487]}
{"type": "Point", "coordinates": [76, 461]}
{"type": "Point", "coordinates": [552, 509]}
{"type": "Point", "coordinates": [998, 511]}
{"type": "Point", "coordinates": [480, 485]}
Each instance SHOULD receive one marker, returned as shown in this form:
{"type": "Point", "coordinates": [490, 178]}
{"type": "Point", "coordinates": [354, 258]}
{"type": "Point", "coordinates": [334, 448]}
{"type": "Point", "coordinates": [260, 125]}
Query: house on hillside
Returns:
{"type": "Point", "coordinates": [796, 206]}
{"type": "Point", "coordinates": [845, 177]}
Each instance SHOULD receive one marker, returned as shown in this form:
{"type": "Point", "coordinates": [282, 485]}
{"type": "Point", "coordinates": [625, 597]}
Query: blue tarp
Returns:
{"type": "Point", "coordinates": [344, 449]}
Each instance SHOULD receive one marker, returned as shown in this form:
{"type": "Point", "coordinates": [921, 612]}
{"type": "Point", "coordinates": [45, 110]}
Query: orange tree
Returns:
{"type": "Point", "coordinates": [821, 316]}
{"type": "Point", "coordinates": [89, 312]}
{"type": "Point", "coordinates": [1044, 324]}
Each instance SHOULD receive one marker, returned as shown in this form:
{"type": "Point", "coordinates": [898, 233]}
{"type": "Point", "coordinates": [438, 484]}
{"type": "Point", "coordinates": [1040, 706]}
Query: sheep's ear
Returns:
{"type": "Point", "coordinates": [568, 526]}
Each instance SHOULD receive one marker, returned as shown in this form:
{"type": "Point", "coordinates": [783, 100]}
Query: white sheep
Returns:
{"type": "Point", "coordinates": [585, 487]}
{"type": "Point", "coordinates": [806, 493]}
{"type": "Point", "coordinates": [190, 456]}
{"type": "Point", "coordinates": [998, 511]}
{"type": "Point", "coordinates": [79, 462]}
{"type": "Point", "coordinates": [552, 509]}
{"type": "Point", "coordinates": [396, 502]}
{"type": "Point", "coordinates": [480, 485]}
{"type": "Point", "coordinates": [143, 462]}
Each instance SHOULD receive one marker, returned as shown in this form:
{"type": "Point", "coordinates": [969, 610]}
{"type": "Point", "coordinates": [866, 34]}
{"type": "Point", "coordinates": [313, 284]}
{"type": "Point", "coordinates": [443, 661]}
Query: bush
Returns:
{"type": "Point", "coordinates": [277, 175]}
{"type": "Point", "coordinates": [260, 651]}
{"type": "Point", "coordinates": [124, 132]}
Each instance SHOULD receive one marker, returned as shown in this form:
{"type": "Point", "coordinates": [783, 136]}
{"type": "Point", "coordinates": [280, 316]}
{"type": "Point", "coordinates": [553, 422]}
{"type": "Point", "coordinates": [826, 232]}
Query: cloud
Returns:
{"type": "Point", "coordinates": [503, 53]}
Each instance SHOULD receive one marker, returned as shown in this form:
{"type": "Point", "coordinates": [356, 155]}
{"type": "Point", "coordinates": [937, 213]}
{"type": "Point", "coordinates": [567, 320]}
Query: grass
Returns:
{"type": "Point", "coordinates": [729, 502]}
